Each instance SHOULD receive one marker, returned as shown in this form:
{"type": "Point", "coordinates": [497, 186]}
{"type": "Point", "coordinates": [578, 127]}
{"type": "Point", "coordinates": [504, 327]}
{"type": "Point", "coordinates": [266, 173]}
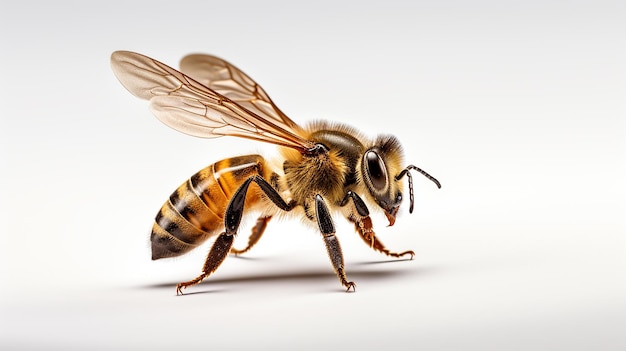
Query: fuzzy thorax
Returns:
{"type": "Point", "coordinates": [323, 174]}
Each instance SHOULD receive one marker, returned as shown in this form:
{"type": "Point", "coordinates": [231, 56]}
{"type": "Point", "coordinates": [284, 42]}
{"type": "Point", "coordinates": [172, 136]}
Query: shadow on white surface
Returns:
{"type": "Point", "coordinates": [311, 279]}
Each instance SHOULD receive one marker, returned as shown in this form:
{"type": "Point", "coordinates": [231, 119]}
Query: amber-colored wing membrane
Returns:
{"type": "Point", "coordinates": [230, 103]}
{"type": "Point", "coordinates": [226, 79]}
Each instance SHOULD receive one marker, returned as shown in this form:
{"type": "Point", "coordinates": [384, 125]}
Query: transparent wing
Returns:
{"type": "Point", "coordinates": [193, 108]}
{"type": "Point", "coordinates": [226, 79]}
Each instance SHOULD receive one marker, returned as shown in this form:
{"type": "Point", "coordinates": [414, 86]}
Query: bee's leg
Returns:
{"type": "Point", "coordinates": [257, 231]}
{"type": "Point", "coordinates": [232, 219]}
{"type": "Point", "coordinates": [234, 211]}
{"type": "Point", "coordinates": [325, 223]}
{"type": "Point", "coordinates": [261, 222]}
{"type": "Point", "coordinates": [363, 224]}
{"type": "Point", "coordinates": [216, 256]}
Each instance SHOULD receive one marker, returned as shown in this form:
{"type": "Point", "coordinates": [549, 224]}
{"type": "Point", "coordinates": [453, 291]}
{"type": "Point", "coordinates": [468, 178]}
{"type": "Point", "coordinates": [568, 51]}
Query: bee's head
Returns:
{"type": "Point", "coordinates": [382, 172]}
{"type": "Point", "coordinates": [379, 166]}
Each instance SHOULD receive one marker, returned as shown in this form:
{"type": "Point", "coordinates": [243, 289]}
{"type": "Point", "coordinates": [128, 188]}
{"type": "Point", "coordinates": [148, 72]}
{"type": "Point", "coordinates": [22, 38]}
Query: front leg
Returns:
{"type": "Point", "coordinates": [325, 223]}
{"type": "Point", "coordinates": [363, 224]}
{"type": "Point", "coordinates": [364, 228]}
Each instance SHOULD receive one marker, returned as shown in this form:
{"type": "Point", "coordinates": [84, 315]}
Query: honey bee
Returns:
{"type": "Point", "coordinates": [326, 167]}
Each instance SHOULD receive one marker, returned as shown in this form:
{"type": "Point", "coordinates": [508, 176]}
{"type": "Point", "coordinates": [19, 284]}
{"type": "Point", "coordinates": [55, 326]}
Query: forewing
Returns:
{"type": "Point", "coordinates": [227, 80]}
{"type": "Point", "coordinates": [193, 108]}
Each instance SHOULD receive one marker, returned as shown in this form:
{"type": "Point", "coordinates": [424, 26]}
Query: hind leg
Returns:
{"type": "Point", "coordinates": [232, 220]}
{"type": "Point", "coordinates": [257, 232]}
{"type": "Point", "coordinates": [214, 259]}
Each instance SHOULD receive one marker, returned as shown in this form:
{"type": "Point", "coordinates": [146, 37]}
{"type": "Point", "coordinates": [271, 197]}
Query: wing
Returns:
{"type": "Point", "coordinates": [190, 107]}
{"type": "Point", "coordinates": [226, 79]}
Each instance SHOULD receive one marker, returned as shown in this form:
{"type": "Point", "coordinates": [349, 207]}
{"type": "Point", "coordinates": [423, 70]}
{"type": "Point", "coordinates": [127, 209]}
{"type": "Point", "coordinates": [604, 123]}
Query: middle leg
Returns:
{"type": "Point", "coordinates": [327, 227]}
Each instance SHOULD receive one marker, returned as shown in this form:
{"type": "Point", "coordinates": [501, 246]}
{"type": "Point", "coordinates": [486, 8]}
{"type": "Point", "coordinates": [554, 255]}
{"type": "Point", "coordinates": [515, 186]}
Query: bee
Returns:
{"type": "Point", "coordinates": [324, 168]}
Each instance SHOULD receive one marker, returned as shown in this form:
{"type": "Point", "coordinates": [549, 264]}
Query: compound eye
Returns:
{"type": "Point", "coordinates": [376, 170]}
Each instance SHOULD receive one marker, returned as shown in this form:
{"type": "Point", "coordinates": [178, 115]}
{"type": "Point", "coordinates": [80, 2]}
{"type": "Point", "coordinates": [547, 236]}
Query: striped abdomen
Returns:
{"type": "Point", "coordinates": [195, 211]}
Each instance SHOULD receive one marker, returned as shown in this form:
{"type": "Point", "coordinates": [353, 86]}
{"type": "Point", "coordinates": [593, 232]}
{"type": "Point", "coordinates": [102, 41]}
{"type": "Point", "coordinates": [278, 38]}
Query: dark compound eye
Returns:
{"type": "Point", "coordinates": [376, 170]}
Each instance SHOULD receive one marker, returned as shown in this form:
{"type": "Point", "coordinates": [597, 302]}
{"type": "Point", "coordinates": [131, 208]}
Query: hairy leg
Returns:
{"type": "Point", "coordinates": [364, 227]}
{"type": "Point", "coordinates": [257, 232]}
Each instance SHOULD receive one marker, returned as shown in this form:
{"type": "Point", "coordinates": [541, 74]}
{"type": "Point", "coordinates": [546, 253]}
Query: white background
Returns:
{"type": "Point", "coordinates": [517, 107]}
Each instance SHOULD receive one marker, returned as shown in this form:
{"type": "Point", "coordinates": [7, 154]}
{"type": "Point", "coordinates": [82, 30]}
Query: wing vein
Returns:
{"type": "Point", "coordinates": [216, 100]}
